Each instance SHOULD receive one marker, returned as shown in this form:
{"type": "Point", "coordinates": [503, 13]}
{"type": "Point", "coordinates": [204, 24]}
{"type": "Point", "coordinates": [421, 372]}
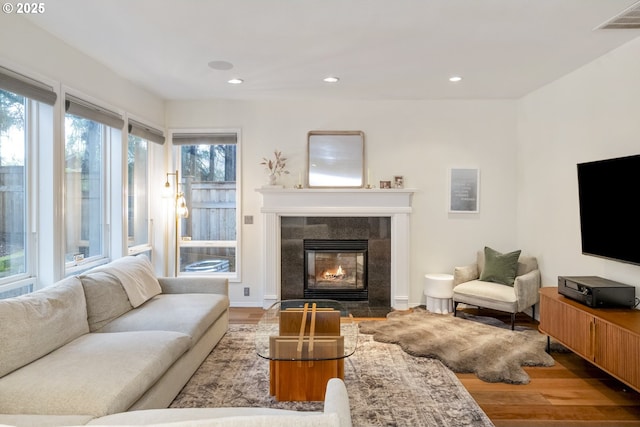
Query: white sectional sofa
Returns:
{"type": "Point", "coordinates": [111, 346]}
{"type": "Point", "coordinates": [111, 340]}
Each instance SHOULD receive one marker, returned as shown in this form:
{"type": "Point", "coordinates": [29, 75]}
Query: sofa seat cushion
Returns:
{"type": "Point", "coordinates": [35, 324]}
{"type": "Point", "coordinates": [190, 314]}
{"type": "Point", "coordinates": [96, 374]}
{"type": "Point", "coordinates": [486, 294]}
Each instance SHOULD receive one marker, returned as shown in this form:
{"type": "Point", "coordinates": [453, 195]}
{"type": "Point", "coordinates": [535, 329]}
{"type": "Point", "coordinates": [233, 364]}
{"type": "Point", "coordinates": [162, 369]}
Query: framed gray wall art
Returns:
{"type": "Point", "coordinates": [464, 190]}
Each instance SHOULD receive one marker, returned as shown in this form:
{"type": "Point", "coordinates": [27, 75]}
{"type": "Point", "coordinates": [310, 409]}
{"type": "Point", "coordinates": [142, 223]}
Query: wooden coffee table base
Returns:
{"type": "Point", "coordinates": [306, 354]}
{"type": "Point", "coordinates": [303, 381]}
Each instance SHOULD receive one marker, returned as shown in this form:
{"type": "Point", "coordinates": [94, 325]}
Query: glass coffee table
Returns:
{"type": "Point", "coordinates": [306, 342]}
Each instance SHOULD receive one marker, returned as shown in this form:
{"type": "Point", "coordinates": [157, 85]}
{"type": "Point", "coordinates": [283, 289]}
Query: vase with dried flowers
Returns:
{"type": "Point", "coordinates": [275, 167]}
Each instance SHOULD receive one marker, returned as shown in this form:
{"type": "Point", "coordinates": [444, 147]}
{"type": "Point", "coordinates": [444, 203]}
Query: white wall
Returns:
{"type": "Point", "coordinates": [590, 114]}
{"type": "Point", "coordinates": [419, 140]}
{"type": "Point", "coordinates": [27, 48]}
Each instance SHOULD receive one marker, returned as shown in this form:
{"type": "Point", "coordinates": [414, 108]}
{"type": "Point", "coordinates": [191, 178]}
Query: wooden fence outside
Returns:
{"type": "Point", "coordinates": [12, 197]}
{"type": "Point", "coordinates": [212, 210]}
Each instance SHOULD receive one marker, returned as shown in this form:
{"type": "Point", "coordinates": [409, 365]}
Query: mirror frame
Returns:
{"type": "Point", "coordinates": [349, 144]}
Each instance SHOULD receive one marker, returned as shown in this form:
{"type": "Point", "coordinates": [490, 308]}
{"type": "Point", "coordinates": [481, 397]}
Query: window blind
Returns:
{"type": "Point", "coordinates": [87, 110]}
{"type": "Point", "coordinates": [25, 86]}
{"type": "Point", "coordinates": [143, 131]}
{"type": "Point", "coordinates": [204, 138]}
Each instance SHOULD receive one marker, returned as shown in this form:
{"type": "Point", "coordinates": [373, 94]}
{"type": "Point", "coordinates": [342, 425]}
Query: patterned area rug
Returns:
{"type": "Point", "coordinates": [387, 387]}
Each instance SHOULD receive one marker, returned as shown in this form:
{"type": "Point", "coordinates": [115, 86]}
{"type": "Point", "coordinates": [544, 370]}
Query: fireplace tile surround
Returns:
{"type": "Point", "coordinates": [376, 230]}
{"type": "Point", "coordinates": [356, 213]}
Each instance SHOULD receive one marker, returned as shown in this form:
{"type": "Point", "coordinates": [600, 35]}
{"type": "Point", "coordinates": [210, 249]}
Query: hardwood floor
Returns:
{"type": "Point", "coordinates": [250, 315]}
{"type": "Point", "coordinates": [573, 393]}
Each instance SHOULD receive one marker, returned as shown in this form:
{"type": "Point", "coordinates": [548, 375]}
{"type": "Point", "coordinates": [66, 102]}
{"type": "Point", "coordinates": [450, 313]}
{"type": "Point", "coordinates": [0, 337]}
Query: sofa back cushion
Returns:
{"type": "Point", "coordinates": [35, 324]}
{"type": "Point", "coordinates": [106, 298]}
{"type": "Point", "coordinates": [136, 276]}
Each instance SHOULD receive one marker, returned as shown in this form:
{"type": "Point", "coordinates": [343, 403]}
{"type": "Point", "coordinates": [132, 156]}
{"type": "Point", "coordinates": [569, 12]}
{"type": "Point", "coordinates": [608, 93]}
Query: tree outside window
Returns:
{"type": "Point", "coordinates": [84, 195]}
{"type": "Point", "coordinates": [12, 184]}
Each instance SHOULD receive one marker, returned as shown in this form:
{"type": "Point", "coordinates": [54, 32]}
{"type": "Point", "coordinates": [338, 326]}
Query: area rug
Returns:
{"type": "Point", "coordinates": [386, 386]}
{"type": "Point", "coordinates": [494, 354]}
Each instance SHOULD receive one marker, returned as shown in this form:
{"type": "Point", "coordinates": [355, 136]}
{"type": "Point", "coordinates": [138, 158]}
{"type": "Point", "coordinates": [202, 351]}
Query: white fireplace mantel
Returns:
{"type": "Point", "coordinates": [393, 203]}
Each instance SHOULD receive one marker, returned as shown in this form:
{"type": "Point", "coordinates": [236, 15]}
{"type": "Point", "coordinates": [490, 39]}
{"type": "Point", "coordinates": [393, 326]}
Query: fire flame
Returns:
{"type": "Point", "coordinates": [337, 275]}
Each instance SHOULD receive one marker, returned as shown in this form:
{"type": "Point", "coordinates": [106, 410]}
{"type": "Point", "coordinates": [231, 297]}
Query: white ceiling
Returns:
{"type": "Point", "coordinates": [380, 49]}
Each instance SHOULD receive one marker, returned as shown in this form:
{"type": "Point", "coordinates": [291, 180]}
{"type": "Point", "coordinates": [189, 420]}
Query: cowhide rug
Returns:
{"type": "Point", "coordinates": [494, 354]}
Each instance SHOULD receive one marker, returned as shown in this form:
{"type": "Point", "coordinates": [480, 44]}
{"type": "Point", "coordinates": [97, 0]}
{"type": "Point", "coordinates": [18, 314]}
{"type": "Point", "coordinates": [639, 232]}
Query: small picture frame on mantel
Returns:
{"type": "Point", "coordinates": [464, 190]}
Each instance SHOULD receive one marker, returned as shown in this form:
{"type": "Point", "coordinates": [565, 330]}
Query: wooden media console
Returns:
{"type": "Point", "coordinates": [607, 337]}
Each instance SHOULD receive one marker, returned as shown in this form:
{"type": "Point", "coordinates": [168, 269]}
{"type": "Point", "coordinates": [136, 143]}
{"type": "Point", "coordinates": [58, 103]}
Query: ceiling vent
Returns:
{"type": "Point", "coordinates": [628, 19]}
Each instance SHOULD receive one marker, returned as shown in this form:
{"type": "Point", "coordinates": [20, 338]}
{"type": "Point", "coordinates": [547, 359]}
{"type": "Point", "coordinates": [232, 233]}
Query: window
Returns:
{"type": "Point", "coordinates": [137, 192]}
{"type": "Point", "coordinates": [13, 180]}
{"type": "Point", "coordinates": [209, 167]}
{"type": "Point", "coordinates": [26, 120]}
{"type": "Point", "coordinates": [89, 130]}
{"type": "Point", "coordinates": [138, 226]}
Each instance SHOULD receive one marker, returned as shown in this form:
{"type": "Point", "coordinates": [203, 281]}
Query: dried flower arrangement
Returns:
{"type": "Point", "coordinates": [275, 167]}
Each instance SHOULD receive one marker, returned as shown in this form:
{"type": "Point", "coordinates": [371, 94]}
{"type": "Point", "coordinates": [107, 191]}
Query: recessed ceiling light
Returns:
{"type": "Point", "coordinates": [220, 65]}
{"type": "Point", "coordinates": [331, 79]}
{"type": "Point", "coordinates": [235, 81]}
{"type": "Point", "coordinates": [455, 79]}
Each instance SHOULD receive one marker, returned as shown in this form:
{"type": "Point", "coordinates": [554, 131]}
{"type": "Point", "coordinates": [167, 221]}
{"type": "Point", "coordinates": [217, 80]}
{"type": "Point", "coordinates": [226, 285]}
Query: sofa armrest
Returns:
{"type": "Point", "coordinates": [465, 273]}
{"type": "Point", "coordinates": [194, 285]}
{"type": "Point", "coordinates": [336, 400]}
{"type": "Point", "coordinates": [526, 288]}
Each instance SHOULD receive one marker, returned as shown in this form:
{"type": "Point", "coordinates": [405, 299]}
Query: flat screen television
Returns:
{"type": "Point", "coordinates": [609, 191]}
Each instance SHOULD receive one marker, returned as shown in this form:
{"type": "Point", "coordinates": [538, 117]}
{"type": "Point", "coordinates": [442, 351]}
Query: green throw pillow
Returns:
{"type": "Point", "coordinates": [500, 268]}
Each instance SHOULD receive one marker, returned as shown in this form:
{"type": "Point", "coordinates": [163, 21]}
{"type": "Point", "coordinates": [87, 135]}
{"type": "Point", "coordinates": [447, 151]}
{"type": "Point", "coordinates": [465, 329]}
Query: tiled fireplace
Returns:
{"type": "Point", "coordinates": [373, 267]}
{"type": "Point", "coordinates": [341, 258]}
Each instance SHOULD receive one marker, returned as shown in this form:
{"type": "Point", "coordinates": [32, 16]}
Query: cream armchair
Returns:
{"type": "Point", "coordinates": [469, 289]}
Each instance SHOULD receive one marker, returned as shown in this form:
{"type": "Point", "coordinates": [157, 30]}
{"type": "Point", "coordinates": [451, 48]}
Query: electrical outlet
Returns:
{"type": "Point", "coordinates": [248, 219]}
{"type": "Point", "coordinates": [246, 292]}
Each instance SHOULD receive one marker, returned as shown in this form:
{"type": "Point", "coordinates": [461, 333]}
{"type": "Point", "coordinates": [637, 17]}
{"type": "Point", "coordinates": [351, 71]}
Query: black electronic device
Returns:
{"type": "Point", "coordinates": [597, 292]}
{"type": "Point", "coordinates": [609, 225]}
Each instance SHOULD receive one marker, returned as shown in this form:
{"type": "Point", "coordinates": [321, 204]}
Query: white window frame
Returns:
{"type": "Point", "coordinates": [154, 135]}
{"type": "Point", "coordinates": [32, 119]}
{"type": "Point", "coordinates": [146, 246]}
{"type": "Point", "coordinates": [235, 276]}
{"type": "Point", "coordinates": [113, 175]}
{"type": "Point", "coordinates": [40, 128]}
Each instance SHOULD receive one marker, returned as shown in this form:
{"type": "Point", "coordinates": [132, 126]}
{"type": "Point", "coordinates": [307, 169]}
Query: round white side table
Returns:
{"type": "Point", "coordinates": [438, 289]}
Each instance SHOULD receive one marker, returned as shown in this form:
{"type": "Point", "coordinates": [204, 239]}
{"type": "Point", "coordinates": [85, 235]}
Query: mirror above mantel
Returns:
{"type": "Point", "coordinates": [335, 159]}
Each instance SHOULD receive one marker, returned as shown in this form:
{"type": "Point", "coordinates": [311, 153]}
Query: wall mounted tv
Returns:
{"type": "Point", "coordinates": [609, 216]}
